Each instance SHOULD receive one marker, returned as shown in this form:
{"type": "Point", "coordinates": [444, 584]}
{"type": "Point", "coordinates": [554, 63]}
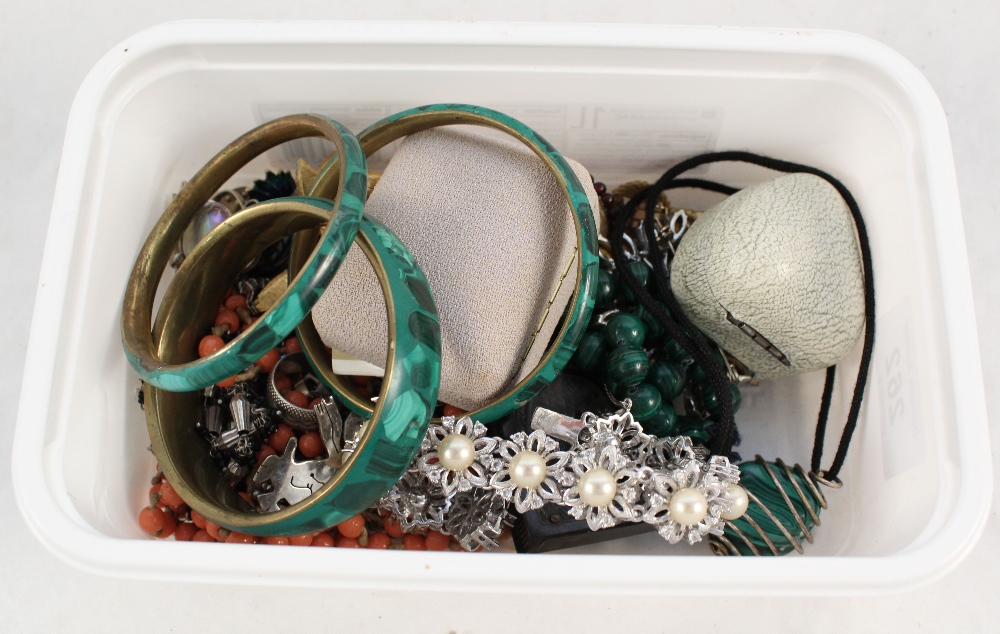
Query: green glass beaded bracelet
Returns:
{"type": "Point", "coordinates": [577, 315]}
{"type": "Point", "coordinates": [302, 292]}
{"type": "Point", "coordinates": [406, 402]}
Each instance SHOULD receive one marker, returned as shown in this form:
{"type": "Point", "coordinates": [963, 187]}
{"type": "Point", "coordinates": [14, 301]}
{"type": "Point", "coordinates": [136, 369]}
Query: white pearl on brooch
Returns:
{"type": "Point", "coordinates": [527, 469]}
{"type": "Point", "coordinates": [598, 487]}
{"type": "Point", "coordinates": [688, 507]}
{"type": "Point", "coordinates": [456, 452]}
{"type": "Point", "coordinates": [739, 501]}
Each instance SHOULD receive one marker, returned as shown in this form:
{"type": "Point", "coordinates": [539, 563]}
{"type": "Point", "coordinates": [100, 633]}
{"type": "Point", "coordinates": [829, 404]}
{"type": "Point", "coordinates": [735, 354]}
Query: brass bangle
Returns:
{"type": "Point", "coordinates": [303, 292]}
{"type": "Point", "coordinates": [581, 303]}
{"type": "Point", "coordinates": [389, 441]}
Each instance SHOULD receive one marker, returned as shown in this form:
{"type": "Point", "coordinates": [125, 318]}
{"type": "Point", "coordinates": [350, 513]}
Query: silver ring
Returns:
{"type": "Point", "coordinates": [299, 418]}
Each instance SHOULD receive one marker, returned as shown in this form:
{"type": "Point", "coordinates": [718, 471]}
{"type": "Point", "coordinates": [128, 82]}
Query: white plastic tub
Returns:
{"type": "Point", "coordinates": [626, 102]}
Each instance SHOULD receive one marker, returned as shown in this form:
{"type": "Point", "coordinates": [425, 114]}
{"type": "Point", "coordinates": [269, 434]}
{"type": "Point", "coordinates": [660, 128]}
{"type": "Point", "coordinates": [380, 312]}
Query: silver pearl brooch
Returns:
{"type": "Point", "coordinates": [603, 482]}
{"type": "Point", "coordinates": [688, 499]}
{"type": "Point", "coordinates": [464, 482]}
{"type": "Point", "coordinates": [457, 455]}
{"type": "Point", "coordinates": [531, 466]}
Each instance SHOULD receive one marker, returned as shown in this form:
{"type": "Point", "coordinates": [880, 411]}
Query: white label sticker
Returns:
{"type": "Point", "coordinates": [899, 403]}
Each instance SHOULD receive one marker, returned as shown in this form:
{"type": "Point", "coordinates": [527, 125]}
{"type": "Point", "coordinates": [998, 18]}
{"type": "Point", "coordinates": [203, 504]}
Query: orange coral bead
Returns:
{"type": "Point", "coordinates": [296, 398]}
{"type": "Point", "coordinates": [392, 527]}
{"type": "Point", "coordinates": [281, 382]}
{"type": "Point", "coordinates": [169, 525]}
{"type": "Point", "coordinates": [226, 383]}
{"type": "Point", "coordinates": [151, 519]}
{"type": "Point", "coordinates": [234, 302]}
{"type": "Point", "coordinates": [198, 519]}
{"type": "Point", "coordinates": [292, 345]}
{"type": "Point", "coordinates": [236, 537]}
{"type": "Point", "coordinates": [437, 541]}
{"type": "Point", "coordinates": [451, 410]}
{"type": "Point", "coordinates": [269, 360]}
{"type": "Point", "coordinates": [361, 381]}
{"type": "Point", "coordinates": [353, 527]}
{"type": "Point", "coordinates": [209, 344]}
{"type": "Point", "coordinates": [311, 444]}
{"type": "Point", "coordinates": [264, 452]}
{"type": "Point", "coordinates": [280, 437]}
{"type": "Point", "coordinates": [414, 542]}
{"type": "Point", "coordinates": [168, 496]}
{"type": "Point", "coordinates": [217, 532]}
{"type": "Point", "coordinates": [202, 536]}
{"type": "Point", "coordinates": [185, 532]}
{"type": "Point", "coordinates": [379, 540]}
{"type": "Point", "coordinates": [229, 319]}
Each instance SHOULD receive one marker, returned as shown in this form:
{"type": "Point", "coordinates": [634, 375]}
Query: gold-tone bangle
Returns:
{"type": "Point", "coordinates": [302, 293]}
{"type": "Point", "coordinates": [581, 304]}
{"type": "Point", "coordinates": [389, 441]}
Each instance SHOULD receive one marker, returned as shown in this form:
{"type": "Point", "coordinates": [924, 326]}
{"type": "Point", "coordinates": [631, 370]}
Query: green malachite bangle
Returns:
{"type": "Point", "coordinates": [577, 315]}
{"type": "Point", "coordinates": [303, 291]}
{"type": "Point", "coordinates": [406, 403]}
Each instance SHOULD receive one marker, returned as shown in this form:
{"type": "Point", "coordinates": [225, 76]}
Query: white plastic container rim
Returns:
{"type": "Point", "coordinates": [37, 446]}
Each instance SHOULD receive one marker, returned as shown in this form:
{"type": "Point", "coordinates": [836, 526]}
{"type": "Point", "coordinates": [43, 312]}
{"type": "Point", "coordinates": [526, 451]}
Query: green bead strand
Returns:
{"type": "Point", "coordinates": [788, 495]}
{"type": "Point", "coordinates": [642, 272]}
{"type": "Point", "coordinates": [653, 328]}
{"type": "Point", "coordinates": [646, 400]}
{"type": "Point", "coordinates": [698, 375]}
{"type": "Point", "coordinates": [711, 402]}
{"type": "Point", "coordinates": [605, 290]}
{"type": "Point", "coordinates": [662, 422]}
{"type": "Point", "coordinates": [667, 377]}
{"type": "Point", "coordinates": [618, 390]}
{"type": "Point", "coordinates": [613, 350]}
{"type": "Point", "coordinates": [590, 354]}
{"type": "Point", "coordinates": [625, 329]}
{"type": "Point", "coordinates": [676, 353]}
{"type": "Point", "coordinates": [694, 428]}
{"type": "Point", "coordinates": [626, 366]}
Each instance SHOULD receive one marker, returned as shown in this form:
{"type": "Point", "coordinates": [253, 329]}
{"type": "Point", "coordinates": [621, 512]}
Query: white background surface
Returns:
{"type": "Point", "coordinates": [46, 48]}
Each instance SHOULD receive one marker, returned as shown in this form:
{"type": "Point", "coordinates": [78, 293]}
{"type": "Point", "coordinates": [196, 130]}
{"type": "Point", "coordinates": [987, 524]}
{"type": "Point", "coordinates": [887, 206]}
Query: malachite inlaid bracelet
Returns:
{"type": "Point", "coordinates": [577, 316]}
{"type": "Point", "coordinates": [389, 441]}
{"type": "Point", "coordinates": [302, 293]}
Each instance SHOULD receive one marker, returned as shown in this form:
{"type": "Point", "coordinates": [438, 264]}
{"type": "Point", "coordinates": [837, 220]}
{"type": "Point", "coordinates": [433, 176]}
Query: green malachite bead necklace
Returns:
{"type": "Point", "coordinates": [626, 348]}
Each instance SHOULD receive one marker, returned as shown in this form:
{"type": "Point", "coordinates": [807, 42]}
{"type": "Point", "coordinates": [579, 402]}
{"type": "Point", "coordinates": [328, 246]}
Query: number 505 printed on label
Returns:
{"type": "Point", "coordinates": [900, 408]}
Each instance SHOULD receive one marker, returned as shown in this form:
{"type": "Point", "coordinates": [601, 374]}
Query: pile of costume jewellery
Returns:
{"type": "Point", "coordinates": [259, 439]}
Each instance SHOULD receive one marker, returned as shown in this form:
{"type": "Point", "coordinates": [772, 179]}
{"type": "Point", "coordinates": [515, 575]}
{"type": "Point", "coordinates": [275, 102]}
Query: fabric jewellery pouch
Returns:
{"type": "Point", "coordinates": [491, 228]}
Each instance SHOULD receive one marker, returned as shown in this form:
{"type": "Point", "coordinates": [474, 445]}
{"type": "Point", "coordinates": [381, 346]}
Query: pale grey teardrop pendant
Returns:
{"type": "Point", "coordinates": [773, 274]}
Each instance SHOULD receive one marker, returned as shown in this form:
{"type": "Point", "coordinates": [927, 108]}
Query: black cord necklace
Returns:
{"type": "Point", "coordinates": [784, 501]}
